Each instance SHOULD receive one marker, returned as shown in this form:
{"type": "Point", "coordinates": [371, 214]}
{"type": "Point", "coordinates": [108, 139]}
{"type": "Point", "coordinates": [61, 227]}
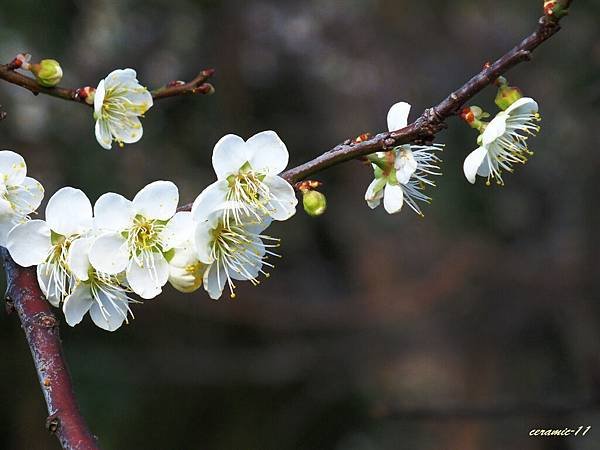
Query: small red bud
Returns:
{"type": "Point", "coordinates": [363, 137]}
{"type": "Point", "coordinates": [467, 115]}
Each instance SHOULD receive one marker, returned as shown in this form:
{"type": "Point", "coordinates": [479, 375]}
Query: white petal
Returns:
{"type": "Point", "coordinates": [69, 212]}
{"type": "Point", "coordinates": [525, 105]}
{"type": "Point", "coordinates": [405, 165]}
{"type": "Point", "coordinates": [109, 254]}
{"type": "Point", "coordinates": [98, 101]}
{"type": "Point", "coordinates": [103, 134]}
{"type": "Point", "coordinates": [284, 201]}
{"type": "Point", "coordinates": [141, 97]}
{"type": "Point", "coordinates": [203, 239]}
{"type": "Point", "coordinates": [43, 272]}
{"type": "Point", "coordinates": [495, 128]}
{"type": "Point", "coordinates": [113, 212]}
{"type": "Point", "coordinates": [26, 197]}
{"type": "Point", "coordinates": [78, 258]}
{"type": "Point", "coordinates": [210, 199]}
{"type": "Point", "coordinates": [147, 282]}
{"type": "Point", "coordinates": [157, 200]}
{"type": "Point", "coordinates": [77, 304]}
{"type": "Point", "coordinates": [6, 224]}
{"type": "Point", "coordinates": [121, 77]}
{"type": "Point", "coordinates": [178, 230]}
{"type": "Point", "coordinates": [393, 198]}
{"type": "Point", "coordinates": [29, 243]}
{"type": "Point", "coordinates": [214, 281]}
{"type": "Point", "coordinates": [111, 315]}
{"type": "Point", "coordinates": [12, 168]}
{"type": "Point", "coordinates": [229, 155]}
{"type": "Point", "coordinates": [473, 162]}
{"type": "Point", "coordinates": [374, 192]}
{"type": "Point", "coordinates": [127, 133]}
{"type": "Point", "coordinates": [267, 153]}
{"type": "Point", "coordinates": [397, 117]}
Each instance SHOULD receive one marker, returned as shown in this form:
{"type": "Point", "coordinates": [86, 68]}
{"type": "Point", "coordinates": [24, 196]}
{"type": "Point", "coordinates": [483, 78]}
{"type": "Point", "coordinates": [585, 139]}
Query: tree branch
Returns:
{"type": "Point", "coordinates": [433, 119]}
{"type": "Point", "coordinates": [198, 85]}
{"type": "Point", "coordinates": [40, 325]}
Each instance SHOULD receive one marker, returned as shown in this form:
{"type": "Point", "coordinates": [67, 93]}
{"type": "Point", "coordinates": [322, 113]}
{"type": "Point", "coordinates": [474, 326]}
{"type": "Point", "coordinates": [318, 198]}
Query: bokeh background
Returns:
{"type": "Point", "coordinates": [463, 330]}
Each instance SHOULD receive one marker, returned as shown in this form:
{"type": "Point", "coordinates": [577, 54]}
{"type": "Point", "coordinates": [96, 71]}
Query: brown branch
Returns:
{"type": "Point", "coordinates": [40, 325]}
{"type": "Point", "coordinates": [198, 85]}
{"type": "Point", "coordinates": [432, 120]}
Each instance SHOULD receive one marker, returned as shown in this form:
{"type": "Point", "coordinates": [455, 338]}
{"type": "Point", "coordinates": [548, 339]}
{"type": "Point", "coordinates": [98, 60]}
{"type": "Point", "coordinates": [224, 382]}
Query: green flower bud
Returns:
{"type": "Point", "coordinates": [314, 203]}
{"type": "Point", "coordinates": [48, 72]}
{"type": "Point", "coordinates": [506, 96]}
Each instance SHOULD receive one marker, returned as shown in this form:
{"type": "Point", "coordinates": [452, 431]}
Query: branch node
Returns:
{"type": "Point", "coordinates": [53, 423]}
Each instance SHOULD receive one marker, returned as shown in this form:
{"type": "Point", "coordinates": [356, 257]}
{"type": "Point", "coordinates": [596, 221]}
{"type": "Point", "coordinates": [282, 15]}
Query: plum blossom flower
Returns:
{"type": "Point", "coordinates": [231, 251]}
{"type": "Point", "coordinates": [247, 173]}
{"type": "Point", "coordinates": [20, 195]}
{"type": "Point", "coordinates": [504, 142]}
{"type": "Point", "coordinates": [119, 101]}
{"type": "Point", "coordinates": [102, 295]}
{"type": "Point", "coordinates": [401, 174]}
{"type": "Point", "coordinates": [47, 243]}
{"type": "Point", "coordinates": [134, 235]}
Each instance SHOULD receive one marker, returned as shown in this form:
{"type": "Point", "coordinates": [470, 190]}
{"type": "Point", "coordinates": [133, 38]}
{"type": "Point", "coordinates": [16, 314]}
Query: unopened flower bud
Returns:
{"type": "Point", "coordinates": [506, 96]}
{"type": "Point", "coordinates": [314, 203]}
{"type": "Point", "coordinates": [48, 72]}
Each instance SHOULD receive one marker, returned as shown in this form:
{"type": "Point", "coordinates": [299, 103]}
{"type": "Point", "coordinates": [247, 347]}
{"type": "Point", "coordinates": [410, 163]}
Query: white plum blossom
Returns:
{"type": "Point", "coordinates": [247, 173]}
{"type": "Point", "coordinates": [47, 243]}
{"type": "Point", "coordinates": [504, 142]}
{"type": "Point", "coordinates": [102, 295]}
{"type": "Point", "coordinates": [134, 235]}
{"type": "Point", "coordinates": [231, 251]}
{"type": "Point", "coordinates": [20, 195]}
{"type": "Point", "coordinates": [119, 101]}
{"type": "Point", "coordinates": [401, 174]}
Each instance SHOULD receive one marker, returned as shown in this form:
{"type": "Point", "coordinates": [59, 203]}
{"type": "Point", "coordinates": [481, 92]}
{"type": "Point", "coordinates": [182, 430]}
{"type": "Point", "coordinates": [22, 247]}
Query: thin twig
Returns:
{"type": "Point", "coordinates": [432, 120]}
{"type": "Point", "coordinates": [198, 85]}
{"type": "Point", "coordinates": [40, 325]}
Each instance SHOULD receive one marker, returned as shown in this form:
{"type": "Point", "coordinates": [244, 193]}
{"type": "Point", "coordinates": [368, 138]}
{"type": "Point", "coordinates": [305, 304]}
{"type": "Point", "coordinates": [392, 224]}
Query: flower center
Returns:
{"type": "Point", "coordinates": [248, 194]}
{"type": "Point", "coordinates": [56, 267]}
{"type": "Point", "coordinates": [143, 239]}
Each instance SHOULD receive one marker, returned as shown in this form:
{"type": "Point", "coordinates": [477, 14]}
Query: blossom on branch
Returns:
{"type": "Point", "coordinates": [401, 174]}
{"type": "Point", "coordinates": [504, 142]}
{"type": "Point", "coordinates": [103, 296]}
{"type": "Point", "coordinates": [134, 235]}
{"type": "Point", "coordinates": [119, 102]}
{"type": "Point", "coordinates": [47, 243]}
{"type": "Point", "coordinates": [20, 195]}
{"type": "Point", "coordinates": [232, 251]}
{"type": "Point", "coordinates": [247, 173]}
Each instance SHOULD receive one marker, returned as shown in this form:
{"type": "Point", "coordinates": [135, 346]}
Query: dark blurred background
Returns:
{"type": "Point", "coordinates": [463, 330]}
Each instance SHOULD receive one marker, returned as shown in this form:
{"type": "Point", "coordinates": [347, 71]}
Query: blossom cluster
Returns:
{"type": "Point", "coordinates": [92, 259]}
